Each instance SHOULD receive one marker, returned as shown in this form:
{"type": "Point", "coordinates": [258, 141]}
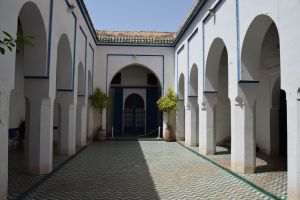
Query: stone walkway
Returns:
{"type": "Point", "coordinates": [270, 175]}
{"type": "Point", "coordinates": [142, 170]}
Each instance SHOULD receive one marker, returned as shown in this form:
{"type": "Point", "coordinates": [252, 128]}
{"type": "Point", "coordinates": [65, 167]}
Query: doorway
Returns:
{"type": "Point", "coordinates": [134, 115]}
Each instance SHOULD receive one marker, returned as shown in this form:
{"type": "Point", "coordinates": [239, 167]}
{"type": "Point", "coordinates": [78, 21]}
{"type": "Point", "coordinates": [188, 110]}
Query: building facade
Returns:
{"type": "Point", "coordinates": [233, 65]}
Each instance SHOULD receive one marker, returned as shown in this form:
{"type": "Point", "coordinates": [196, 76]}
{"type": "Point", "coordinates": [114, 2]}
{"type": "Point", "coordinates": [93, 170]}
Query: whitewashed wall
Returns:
{"type": "Point", "coordinates": [63, 21]}
{"type": "Point", "coordinates": [223, 24]}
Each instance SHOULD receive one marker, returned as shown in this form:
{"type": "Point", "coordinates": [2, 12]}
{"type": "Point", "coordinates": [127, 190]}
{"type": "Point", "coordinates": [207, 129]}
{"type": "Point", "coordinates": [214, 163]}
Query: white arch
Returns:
{"type": "Point", "coordinates": [64, 70]}
{"type": "Point", "coordinates": [252, 47]}
{"type": "Point", "coordinates": [90, 83]}
{"type": "Point", "coordinates": [81, 80]}
{"type": "Point", "coordinates": [30, 23]}
{"type": "Point", "coordinates": [181, 87]}
{"type": "Point", "coordinates": [194, 80]}
{"type": "Point", "coordinates": [138, 65]}
{"type": "Point", "coordinates": [213, 64]}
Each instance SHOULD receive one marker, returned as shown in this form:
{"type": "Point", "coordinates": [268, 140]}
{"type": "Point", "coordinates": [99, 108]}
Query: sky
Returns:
{"type": "Point", "coordinates": [138, 15]}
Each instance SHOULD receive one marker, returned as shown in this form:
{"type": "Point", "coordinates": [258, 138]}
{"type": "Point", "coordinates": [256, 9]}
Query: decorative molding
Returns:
{"type": "Point", "coordinates": [238, 40]}
{"type": "Point", "coordinates": [248, 82]}
{"type": "Point", "coordinates": [210, 92]}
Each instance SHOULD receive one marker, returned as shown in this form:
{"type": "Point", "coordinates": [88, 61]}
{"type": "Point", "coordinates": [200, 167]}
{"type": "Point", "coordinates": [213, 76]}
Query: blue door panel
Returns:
{"type": "Point", "coordinates": [118, 104]}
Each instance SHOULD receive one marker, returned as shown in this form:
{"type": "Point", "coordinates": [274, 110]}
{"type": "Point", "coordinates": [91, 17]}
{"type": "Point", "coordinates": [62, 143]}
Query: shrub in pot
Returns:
{"type": "Point", "coordinates": [99, 100]}
{"type": "Point", "coordinates": [167, 104]}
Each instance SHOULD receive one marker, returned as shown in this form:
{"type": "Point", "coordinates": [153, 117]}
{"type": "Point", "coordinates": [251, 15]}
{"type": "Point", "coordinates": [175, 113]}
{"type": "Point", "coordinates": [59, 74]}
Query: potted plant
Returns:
{"type": "Point", "coordinates": [167, 104]}
{"type": "Point", "coordinates": [99, 100]}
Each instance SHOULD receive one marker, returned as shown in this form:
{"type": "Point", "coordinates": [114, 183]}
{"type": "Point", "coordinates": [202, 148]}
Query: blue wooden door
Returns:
{"type": "Point", "coordinates": [118, 107]}
{"type": "Point", "coordinates": [152, 111]}
{"type": "Point", "coordinates": [134, 115]}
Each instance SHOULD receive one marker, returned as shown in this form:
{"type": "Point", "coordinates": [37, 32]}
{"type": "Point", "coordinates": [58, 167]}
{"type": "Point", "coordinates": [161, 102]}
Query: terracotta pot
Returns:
{"type": "Point", "coordinates": [168, 136]}
{"type": "Point", "coordinates": [101, 135]}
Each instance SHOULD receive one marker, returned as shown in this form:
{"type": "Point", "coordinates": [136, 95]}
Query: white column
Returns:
{"type": "Point", "coordinates": [243, 144]}
{"type": "Point", "coordinates": [39, 136]}
{"type": "Point", "coordinates": [243, 140]}
{"type": "Point", "coordinates": [207, 136]}
{"type": "Point", "coordinates": [4, 116]}
{"type": "Point", "coordinates": [187, 128]}
{"type": "Point", "coordinates": [293, 116]}
{"type": "Point", "coordinates": [90, 122]}
{"type": "Point", "coordinates": [66, 126]}
{"type": "Point", "coordinates": [192, 122]}
{"type": "Point", "coordinates": [180, 120]}
{"type": "Point", "coordinates": [80, 122]}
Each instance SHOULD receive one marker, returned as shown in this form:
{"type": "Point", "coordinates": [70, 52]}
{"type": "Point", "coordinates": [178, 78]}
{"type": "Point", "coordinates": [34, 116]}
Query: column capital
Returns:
{"type": "Point", "coordinates": [210, 98]}
{"type": "Point", "coordinates": [247, 92]}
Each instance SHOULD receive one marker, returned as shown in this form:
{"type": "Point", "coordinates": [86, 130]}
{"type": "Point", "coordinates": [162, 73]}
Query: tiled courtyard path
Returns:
{"type": "Point", "coordinates": [270, 175]}
{"type": "Point", "coordinates": [18, 180]}
{"type": "Point", "coordinates": [141, 170]}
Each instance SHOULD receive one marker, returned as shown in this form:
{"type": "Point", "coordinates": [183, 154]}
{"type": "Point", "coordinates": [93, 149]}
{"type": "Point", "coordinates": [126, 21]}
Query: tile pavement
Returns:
{"type": "Point", "coordinates": [141, 170]}
{"type": "Point", "coordinates": [270, 175]}
{"type": "Point", "coordinates": [18, 181]}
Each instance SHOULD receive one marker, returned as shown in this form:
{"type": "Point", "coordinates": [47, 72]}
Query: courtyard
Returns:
{"type": "Point", "coordinates": [141, 169]}
{"type": "Point", "coordinates": [233, 67]}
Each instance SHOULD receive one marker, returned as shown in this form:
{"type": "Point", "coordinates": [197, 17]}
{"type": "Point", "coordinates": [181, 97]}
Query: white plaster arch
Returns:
{"type": "Point", "coordinates": [260, 71]}
{"type": "Point", "coordinates": [31, 23]}
{"type": "Point", "coordinates": [64, 70]}
{"type": "Point", "coordinates": [212, 65]}
{"type": "Point", "coordinates": [252, 46]}
{"type": "Point", "coordinates": [90, 83]}
{"type": "Point", "coordinates": [194, 80]}
{"type": "Point", "coordinates": [116, 63]}
{"type": "Point", "coordinates": [139, 65]}
{"type": "Point", "coordinates": [81, 80]}
{"type": "Point", "coordinates": [181, 87]}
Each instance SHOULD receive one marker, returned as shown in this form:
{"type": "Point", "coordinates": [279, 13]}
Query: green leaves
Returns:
{"type": "Point", "coordinates": [9, 42]}
{"type": "Point", "coordinates": [7, 35]}
{"type": "Point", "coordinates": [168, 102]}
{"type": "Point", "coordinates": [2, 50]}
{"type": "Point", "coordinates": [99, 100]}
{"type": "Point", "coordinates": [26, 40]}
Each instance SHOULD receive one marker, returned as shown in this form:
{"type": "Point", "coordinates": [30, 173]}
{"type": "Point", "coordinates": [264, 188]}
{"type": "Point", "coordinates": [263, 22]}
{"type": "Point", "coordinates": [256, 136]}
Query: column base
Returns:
{"type": "Point", "coordinates": [187, 143]}
{"type": "Point", "coordinates": [293, 195]}
{"type": "Point", "coordinates": [243, 170]}
{"type": "Point", "coordinates": [190, 144]}
{"type": "Point", "coordinates": [67, 152]}
{"type": "Point", "coordinates": [206, 152]}
{"type": "Point", "coordinates": [81, 145]}
{"type": "Point", "coordinates": [39, 170]}
{"type": "Point", "coordinates": [3, 195]}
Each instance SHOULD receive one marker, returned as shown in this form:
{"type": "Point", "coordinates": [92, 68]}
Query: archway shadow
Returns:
{"type": "Point", "coordinates": [270, 163]}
